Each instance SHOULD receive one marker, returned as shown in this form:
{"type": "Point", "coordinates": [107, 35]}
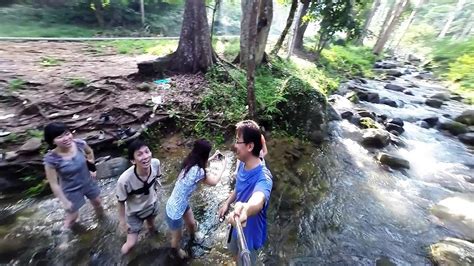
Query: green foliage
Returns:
{"type": "Point", "coordinates": [36, 190]}
{"type": "Point", "coordinates": [229, 48]}
{"type": "Point", "coordinates": [348, 61]}
{"type": "Point", "coordinates": [35, 133]}
{"type": "Point", "coordinates": [16, 84]}
{"type": "Point", "coordinates": [455, 60]}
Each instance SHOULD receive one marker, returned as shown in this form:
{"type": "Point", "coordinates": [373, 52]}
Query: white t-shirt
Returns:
{"type": "Point", "coordinates": [136, 193]}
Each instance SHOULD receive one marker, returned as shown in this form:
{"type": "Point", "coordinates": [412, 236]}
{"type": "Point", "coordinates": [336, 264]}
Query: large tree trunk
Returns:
{"type": "Point", "coordinates": [302, 25]}
{"type": "Point", "coordinates": [251, 63]}
{"type": "Point", "coordinates": [264, 22]}
{"type": "Point", "coordinates": [409, 21]}
{"type": "Point", "coordinates": [289, 22]}
{"type": "Point", "coordinates": [99, 12]}
{"type": "Point", "coordinates": [451, 17]}
{"type": "Point", "coordinates": [385, 34]}
{"type": "Point", "coordinates": [370, 15]}
{"type": "Point", "coordinates": [142, 11]}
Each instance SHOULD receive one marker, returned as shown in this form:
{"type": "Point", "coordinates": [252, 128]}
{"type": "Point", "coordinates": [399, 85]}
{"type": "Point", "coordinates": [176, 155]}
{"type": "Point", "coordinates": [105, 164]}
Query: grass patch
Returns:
{"type": "Point", "coordinates": [228, 48]}
{"type": "Point", "coordinates": [50, 61]}
{"type": "Point", "coordinates": [16, 84]}
{"type": "Point", "coordinates": [134, 47]}
{"type": "Point", "coordinates": [77, 82]}
{"type": "Point", "coordinates": [348, 61]}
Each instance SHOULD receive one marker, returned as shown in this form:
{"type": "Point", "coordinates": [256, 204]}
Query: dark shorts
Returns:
{"type": "Point", "coordinates": [90, 191]}
{"type": "Point", "coordinates": [234, 249]}
{"type": "Point", "coordinates": [175, 224]}
{"type": "Point", "coordinates": [135, 220]}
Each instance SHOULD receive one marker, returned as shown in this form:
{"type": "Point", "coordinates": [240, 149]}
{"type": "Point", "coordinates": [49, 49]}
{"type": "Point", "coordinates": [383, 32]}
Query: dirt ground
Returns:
{"type": "Point", "coordinates": [90, 91]}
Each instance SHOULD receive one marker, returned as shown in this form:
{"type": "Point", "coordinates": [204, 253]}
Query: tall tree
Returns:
{"type": "Point", "coordinates": [251, 62]}
{"type": "Point", "coordinates": [98, 8]}
{"type": "Point", "coordinates": [262, 22]}
{"type": "Point", "coordinates": [370, 15]}
{"type": "Point", "coordinates": [409, 21]}
{"type": "Point", "coordinates": [451, 17]}
{"type": "Point", "coordinates": [289, 22]}
{"type": "Point", "coordinates": [142, 11]}
{"type": "Point", "coordinates": [391, 24]}
{"type": "Point", "coordinates": [302, 24]}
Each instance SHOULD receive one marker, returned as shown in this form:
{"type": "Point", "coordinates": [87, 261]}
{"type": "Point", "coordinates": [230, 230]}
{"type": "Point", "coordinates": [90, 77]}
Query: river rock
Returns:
{"type": "Point", "coordinates": [426, 75]}
{"type": "Point", "coordinates": [394, 87]}
{"type": "Point", "coordinates": [368, 96]}
{"type": "Point", "coordinates": [145, 87]}
{"type": "Point", "coordinates": [396, 121]}
{"type": "Point", "coordinates": [346, 115]}
{"type": "Point", "coordinates": [30, 146]}
{"type": "Point", "coordinates": [393, 161]}
{"type": "Point", "coordinates": [355, 119]}
{"type": "Point", "coordinates": [397, 141]}
{"type": "Point", "coordinates": [408, 92]}
{"type": "Point", "coordinates": [11, 156]}
{"type": "Point", "coordinates": [435, 103]}
{"type": "Point", "coordinates": [452, 251]}
{"type": "Point", "coordinates": [317, 136]}
{"type": "Point", "coordinates": [112, 168]}
{"type": "Point", "coordinates": [367, 122]}
{"type": "Point", "coordinates": [388, 102]}
{"type": "Point", "coordinates": [453, 127]}
{"type": "Point", "coordinates": [467, 118]}
{"type": "Point", "coordinates": [423, 124]}
{"type": "Point", "coordinates": [455, 212]}
{"type": "Point", "coordinates": [413, 58]}
{"type": "Point", "coordinates": [432, 121]}
{"type": "Point", "coordinates": [377, 138]}
{"type": "Point", "coordinates": [397, 128]}
{"type": "Point", "coordinates": [457, 98]}
{"type": "Point", "coordinates": [304, 109]}
{"type": "Point", "coordinates": [333, 115]}
{"type": "Point", "coordinates": [385, 65]}
{"type": "Point", "coordinates": [366, 114]}
{"type": "Point", "coordinates": [443, 96]}
{"type": "Point", "coordinates": [467, 138]}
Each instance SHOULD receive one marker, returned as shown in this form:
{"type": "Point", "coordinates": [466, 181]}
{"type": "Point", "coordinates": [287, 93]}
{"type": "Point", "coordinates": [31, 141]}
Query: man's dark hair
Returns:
{"type": "Point", "coordinates": [135, 146]}
{"type": "Point", "coordinates": [250, 132]}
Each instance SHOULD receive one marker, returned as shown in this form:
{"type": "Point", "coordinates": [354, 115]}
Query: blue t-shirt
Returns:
{"type": "Point", "coordinates": [248, 182]}
{"type": "Point", "coordinates": [184, 187]}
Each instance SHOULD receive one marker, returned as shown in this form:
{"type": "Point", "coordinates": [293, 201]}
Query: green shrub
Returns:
{"type": "Point", "coordinates": [348, 61]}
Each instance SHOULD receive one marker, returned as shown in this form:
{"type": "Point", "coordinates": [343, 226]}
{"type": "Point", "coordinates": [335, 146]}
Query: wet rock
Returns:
{"type": "Point", "coordinates": [470, 128]}
{"type": "Point", "coordinates": [395, 87]}
{"type": "Point", "coordinates": [394, 72]}
{"type": "Point", "coordinates": [426, 76]}
{"type": "Point", "coordinates": [452, 251]}
{"type": "Point", "coordinates": [394, 132]}
{"type": "Point", "coordinates": [396, 121]}
{"type": "Point", "coordinates": [11, 156]}
{"type": "Point", "coordinates": [377, 138]}
{"type": "Point", "coordinates": [383, 117]}
{"type": "Point", "coordinates": [385, 65]}
{"type": "Point", "coordinates": [30, 146]}
{"type": "Point", "coordinates": [112, 168]}
{"type": "Point", "coordinates": [388, 102]}
{"type": "Point", "coordinates": [332, 114]}
{"type": "Point", "coordinates": [395, 127]}
{"type": "Point", "coordinates": [355, 119]}
{"type": "Point", "coordinates": [453, 127]}
{"type": "Point", "coordinates": [467, 118]}
{"type": "Point", "coordinates": [317, 136]}
{"type": "Point", "coordinates": [366, 114]}
{"type": "Point", "coordinates": [457, 98]}
{"type": "Point", "coordinates": [352, 97]}
{"type": "Point", "coordinates": [393, 161]}
{"type": "Point", "coordinates": [368, 96]}
{"type": "Point", "coordinates": [455, 212]}
{"type": "Point", "coordinates": [367, 122]}
{"type": "Point", "coordinates": [447, 115]}
{"type": "Point", "coordinates": [346, 115]}
{"type": "Point", "coordinates": [423, 124]}
{"type": "Point", "coordinates": [467, 138]}
{"type": "Point", "coordinates": [443, 96]}
{"type": "Point", "coordinates": [395, 140]}
{"type": "Point", "coordinates": [12, 248]}
{"type": "Point", "coordinates": [145, 87]}
{"type": "Point", "coordinates": [413, 58]}
{"type": "Point", "coordinates": [435, 103]}
{"type": "Point", "coordinates": [432, 121]}
{"type": "Point", "coordinates": [408, 92]}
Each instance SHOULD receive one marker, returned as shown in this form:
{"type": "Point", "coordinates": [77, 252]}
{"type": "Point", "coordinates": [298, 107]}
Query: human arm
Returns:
{"type": "Point", "coordinates": [121, 213]}
{"type": "Point", "coordinates": [243, 210]}
{"type": "Point", "coordinates": [264, 150]}
{"type": "Point", "coordinates": [52, 177]}
{"type": "Point", "coordinates": [226, 204]}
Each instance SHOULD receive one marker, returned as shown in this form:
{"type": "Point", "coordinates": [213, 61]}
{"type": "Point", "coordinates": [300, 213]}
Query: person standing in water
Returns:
{"type": "Point", "coordinates": [252, 191]}
{"type": "Point", "coordinates": [137, 193]}
{"type": "Point", "coordinates": [193, 171]}
{"type": "Point", "coordinates": [68, 173]}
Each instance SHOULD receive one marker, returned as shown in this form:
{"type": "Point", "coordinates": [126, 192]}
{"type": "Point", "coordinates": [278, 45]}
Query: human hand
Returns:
{"type": "Point", "coordinates": [239, 213]}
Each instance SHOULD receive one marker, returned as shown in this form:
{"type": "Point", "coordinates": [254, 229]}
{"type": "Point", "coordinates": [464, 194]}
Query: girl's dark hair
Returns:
{"type": "Point", "coordinates": [135, 146]}
{"type": "Point", "coordinates": [52, 131]}
{"type": "Point", "coordinates": [198, 156]}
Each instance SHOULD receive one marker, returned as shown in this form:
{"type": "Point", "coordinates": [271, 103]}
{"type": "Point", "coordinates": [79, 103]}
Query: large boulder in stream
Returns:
{"type": "Point", "coordinates": [451, 252]}
{"type": "Point", "coordinates": [431, 121]}
{"type": "Point", "coordinates": [453, 127]}
{"type": "Point", "coordinates": [443, 96]}
{"type": "Point", "coordinates": [393, 161]}
{"type": "Point", "coordinates": [304, 110]}
{"type": "Point", "coordinates": [389, 102]}
{"type": "Point", "coordinates": [395, 87]}
{"type": "Point", "coordinates": [376, 138]}
{"type": "Point", "coordinates": [467, 138]}
{"type": "Point", "coordinates": [435, 103]}
{"type": "Point", "coordinates": [467, 118]}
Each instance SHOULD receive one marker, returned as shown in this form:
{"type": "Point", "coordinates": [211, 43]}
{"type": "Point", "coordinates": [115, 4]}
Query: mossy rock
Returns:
{"type": "Point", "coordinates": [304, 109]}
